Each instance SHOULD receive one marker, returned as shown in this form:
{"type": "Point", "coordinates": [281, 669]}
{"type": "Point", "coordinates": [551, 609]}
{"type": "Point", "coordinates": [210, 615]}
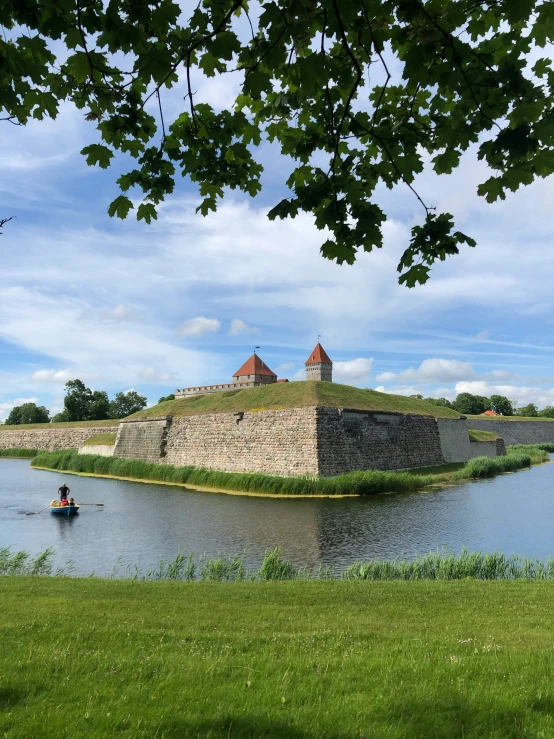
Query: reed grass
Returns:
{"type": "Point", "coordinates": [367, 482]}
{"type": "Point", "coordinates": [25, 453]}
{"type": "Point", "coordinates": [440, 565]}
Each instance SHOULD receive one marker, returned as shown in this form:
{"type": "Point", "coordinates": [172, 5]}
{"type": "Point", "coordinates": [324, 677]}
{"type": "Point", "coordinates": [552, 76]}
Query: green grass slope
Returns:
{"type": "Point", "coordinates": [294, 395]}
{"type": "Point", "coordinates": [476, 435]}
{"type": "Point", "coordinates": [65, 425]}
{"type": "Point", "coordinates": [281, 660]}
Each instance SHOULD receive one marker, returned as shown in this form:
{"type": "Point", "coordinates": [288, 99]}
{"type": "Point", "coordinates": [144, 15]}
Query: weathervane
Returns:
{"type": "Point", "coordinates": [256, 347]}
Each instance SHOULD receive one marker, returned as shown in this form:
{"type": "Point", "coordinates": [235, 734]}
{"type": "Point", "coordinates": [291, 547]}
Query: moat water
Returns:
{"type": "Point", "coordinates": [141, 523]}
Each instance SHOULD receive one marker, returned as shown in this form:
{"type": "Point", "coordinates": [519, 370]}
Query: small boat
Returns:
{"type": "Point", "coordinates": [66, 510]}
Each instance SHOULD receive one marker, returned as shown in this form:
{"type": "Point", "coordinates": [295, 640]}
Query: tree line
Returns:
{"type": "Point", "coordinates": [80, 404]}
{"type": "Point", "coordinates": [475, 405]}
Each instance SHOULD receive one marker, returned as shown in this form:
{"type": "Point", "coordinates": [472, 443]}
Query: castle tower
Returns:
{"type": "Point", "coordinates": [254, 370]}
{"type": "Point", "coordinates": [319, 366]}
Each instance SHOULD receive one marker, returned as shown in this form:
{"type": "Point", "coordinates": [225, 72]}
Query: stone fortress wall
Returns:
{"type": "Point", "coordinates": [51, 438]}
{"type": "Point", "coordinates": [299, 441]}
{"type": "Point", "coordinates": [516, 432]}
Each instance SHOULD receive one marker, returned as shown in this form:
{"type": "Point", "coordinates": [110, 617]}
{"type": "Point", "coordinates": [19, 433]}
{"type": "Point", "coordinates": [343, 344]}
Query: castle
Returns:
{"type": "Point", "coordinates": [255, 372]}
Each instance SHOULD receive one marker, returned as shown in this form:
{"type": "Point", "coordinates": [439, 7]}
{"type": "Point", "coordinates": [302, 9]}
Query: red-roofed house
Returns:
{"type": "Point", "coordinates": [256, 371]}
{"type": "Point", "coordinates": [490, 413]}
{"type": "Point", "coordinates": [319, 366]}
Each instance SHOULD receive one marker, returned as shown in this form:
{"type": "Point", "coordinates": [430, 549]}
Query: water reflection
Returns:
{"type": "Point", "coordinates": [141, 523]}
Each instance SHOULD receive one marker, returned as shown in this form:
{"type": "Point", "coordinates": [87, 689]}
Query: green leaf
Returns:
{"type": "Point", "coordinates": [98, 154]}
{"type": "Point", "coordinates": [146, 212]}
{"type": "Point", "coordinates": [120, 207]}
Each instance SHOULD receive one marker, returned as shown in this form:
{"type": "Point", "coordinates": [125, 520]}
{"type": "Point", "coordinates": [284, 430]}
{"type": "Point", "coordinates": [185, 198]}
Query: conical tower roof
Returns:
{"type": "Point", "coordinates": [254, 366]}
{"type": "Point", "coordinates": [318, 356]}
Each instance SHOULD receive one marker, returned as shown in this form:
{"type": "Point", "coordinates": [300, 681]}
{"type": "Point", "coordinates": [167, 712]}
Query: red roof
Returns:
{"type": "Point", "coordinates": [490, 413]}
{"type": "Point", "coordinates": [284, 380]}
{"type": "Point", "coordinates": [254, 366]}
{"type": "Point", "coordinates": [318, 355]}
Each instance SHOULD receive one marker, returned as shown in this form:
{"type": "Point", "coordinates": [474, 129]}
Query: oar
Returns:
{"type": "Point", "coordinates": [89, 504]}
{"type": "Point", "coordinates": [35, 513]}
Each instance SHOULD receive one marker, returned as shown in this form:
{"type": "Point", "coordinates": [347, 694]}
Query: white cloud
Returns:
{"type": "Point", "coordinates": [60, 376]}
{"type": "Point", "coordinates": [199, 326]}
{"type": "Point", "coordinates": [483, 335]}
{"type": "Point", "coordinates": [240, 327]}
{"type": "Point", "coordinates": [431, 371]}
{"type": "Point", "coordinates": [285, 366]}
{"type": "Point", "coordinates": [353, 371]}
{"type": "Point", "coordinates": [150, 374]}
{"type": "Point", "coordinates": [121, 313]}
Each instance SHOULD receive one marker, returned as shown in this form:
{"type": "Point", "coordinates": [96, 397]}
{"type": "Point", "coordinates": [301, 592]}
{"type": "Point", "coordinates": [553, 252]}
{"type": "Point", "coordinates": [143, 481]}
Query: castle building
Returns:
{"type": "Point", "coordinates": [319, 366]}
{"type": "Point", "coordinates": [255, 372]}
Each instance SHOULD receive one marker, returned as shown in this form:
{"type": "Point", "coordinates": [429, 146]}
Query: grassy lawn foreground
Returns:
{"type": "Point", "coordinates": [100, 658]}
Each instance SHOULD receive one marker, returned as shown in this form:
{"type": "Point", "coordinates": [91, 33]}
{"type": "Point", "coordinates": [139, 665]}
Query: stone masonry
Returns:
{"type": "Point", "coordinates": [279, 442]}
{"type": "Point", "coordinates": [351, 440]}
{"type": "Point", "coordinates": [50, 438]}
{"type": "Point", "coordinates": [517, 432]}
{"type": "Point", "coordinates": [142, 439]}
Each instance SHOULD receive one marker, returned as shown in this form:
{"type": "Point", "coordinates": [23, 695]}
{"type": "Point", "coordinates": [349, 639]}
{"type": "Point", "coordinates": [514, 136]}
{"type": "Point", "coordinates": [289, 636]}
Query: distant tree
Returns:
{"type": "Point", "coordinates": [126, 403]}
{"type": "Point", "coordinates": [547, 412]}
{"type": "Point", "coordinates": [82, 404]}
{"type": "Point", "coordinates": [60, 417]}
{"type": "Point", "coordinates": [27, 413]}
{"type": "Point", "coordinates": [530, 411]}
{"type": "Point", "coordinates": [484, 401]}
{"type": "Point", "coordinates": [166, 397]}
{"type": "Point", "coordinates": [470, 404]}
{"type": "Point", "coordinates": [444, 402]}
{"type": "Point", "coordinates": [417, 397]}
{"type": "Point", "coordinates": [501, 404]}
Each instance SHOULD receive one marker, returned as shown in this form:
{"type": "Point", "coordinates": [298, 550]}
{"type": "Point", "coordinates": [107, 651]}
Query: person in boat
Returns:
{"type": "Point", "coordinates": [71, 503]}
{"type": "Point", "coordinates": [64, 503]}
{"type": "Point", "coordinates": [63, 491]}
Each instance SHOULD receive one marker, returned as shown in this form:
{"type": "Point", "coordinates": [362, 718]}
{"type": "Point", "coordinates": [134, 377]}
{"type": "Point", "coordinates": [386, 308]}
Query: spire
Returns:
{"type": "Point", "coordinates": [254, 366]}
{"type": "Point", "coordinates": [318, 356]}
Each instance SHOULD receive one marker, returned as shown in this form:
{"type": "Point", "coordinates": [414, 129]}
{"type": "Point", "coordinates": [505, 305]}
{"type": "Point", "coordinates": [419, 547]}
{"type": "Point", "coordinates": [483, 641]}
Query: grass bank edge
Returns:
{"type": "Point", "coordinates": [369, 482]}
{"type": "Point", "coordinates": [19, 453]}
{"type": "Point", "coordinates": [442, 565]}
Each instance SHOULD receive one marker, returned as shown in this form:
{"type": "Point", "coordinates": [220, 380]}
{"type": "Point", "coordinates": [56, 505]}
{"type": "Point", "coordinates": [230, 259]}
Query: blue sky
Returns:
{"type": "Point", "coordinates": [124, 305]}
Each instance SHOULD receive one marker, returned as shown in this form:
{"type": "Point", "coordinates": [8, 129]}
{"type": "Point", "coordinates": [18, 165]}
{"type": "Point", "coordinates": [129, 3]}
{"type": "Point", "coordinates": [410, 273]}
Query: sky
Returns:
{"type": "Point", "coordinates": [185, 300]}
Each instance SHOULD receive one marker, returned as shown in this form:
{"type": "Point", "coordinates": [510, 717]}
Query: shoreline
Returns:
{"type": "Point", "coordinates": [198, 488]}
{"type": "Point", "coordinates": [429, 488]}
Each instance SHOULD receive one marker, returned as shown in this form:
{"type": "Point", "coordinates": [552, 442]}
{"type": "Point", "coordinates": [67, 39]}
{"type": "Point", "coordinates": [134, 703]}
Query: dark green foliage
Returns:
{"type": "Point", "coordinates": [357, 94]}
{"type": "Point", "coordinates": [469, 404]}
{"type": "Point", "coordinates": [25, 453]}
{"type": "Point", "coordinates": [546, 412]}
{"type": "Point", "coordinates": [500, 404]}
{"type": "Point", "coordinates": [27, 413]}
{"type": "Point", "coordinates": [83, 404]}
{"type": "Point", "coordinates": [126, 403]}
{"type": "Point", "coordinates": [529, 411]}
{"type": "Point", "coordinates": [163, 399]}
{"type": "Point", "coordinates": [368, 482]}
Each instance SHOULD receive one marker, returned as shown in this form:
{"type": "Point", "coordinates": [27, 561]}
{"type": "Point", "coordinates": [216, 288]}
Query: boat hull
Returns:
{"type": "Point", "coordinates": [58, 510]}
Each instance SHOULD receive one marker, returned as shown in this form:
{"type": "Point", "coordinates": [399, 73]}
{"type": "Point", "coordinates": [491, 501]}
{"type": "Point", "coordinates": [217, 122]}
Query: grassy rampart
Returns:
{"type": "Point", "coordinates": [283, 660]}
{"type": "Point", "coordinates": [476, 435]}
{"type": "Point", "coordinates": [102, 439]}
{"type": "Point", "coordinates": [294, 395]}
{"type": "Point", "coordinates": [367, 482]}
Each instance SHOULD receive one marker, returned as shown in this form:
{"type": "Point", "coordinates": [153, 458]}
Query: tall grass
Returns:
{"type": "Point", "coordinates": [442, 565]}
{"type": "Point", "coordinates": [368, 482]}
{"type": "Point", "coordinates": [530, 448]}
{"type": "Point", "coordinates": [27, 453]}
